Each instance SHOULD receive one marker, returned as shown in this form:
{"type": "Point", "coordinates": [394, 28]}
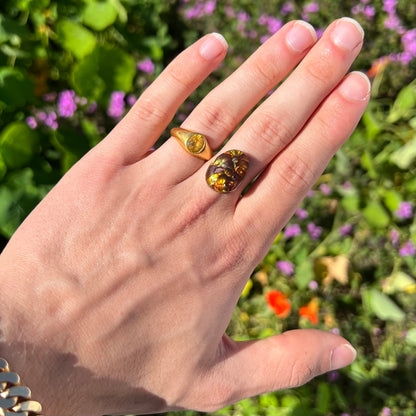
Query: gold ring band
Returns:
{"type": "Point", "coordinates": [194, 143]}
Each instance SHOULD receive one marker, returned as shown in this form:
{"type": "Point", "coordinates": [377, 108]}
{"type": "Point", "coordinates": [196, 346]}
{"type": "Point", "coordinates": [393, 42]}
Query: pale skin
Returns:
{"type": "Point", "coordinates": [117, 290]}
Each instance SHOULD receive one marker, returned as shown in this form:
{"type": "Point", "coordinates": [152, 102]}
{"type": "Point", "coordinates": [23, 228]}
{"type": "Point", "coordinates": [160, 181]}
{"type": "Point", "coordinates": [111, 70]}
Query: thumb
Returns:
{"type": "Point", "coordinates": [283, 361]}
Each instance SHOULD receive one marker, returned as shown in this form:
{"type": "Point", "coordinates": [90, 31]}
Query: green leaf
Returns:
{"type": "Point", "coordinates": [351, 203]}
{"type": "Point", "coordinates": [323, 398]}
{"type": "Point", "coordinates": [399, 282]}
{"type": "Point", "coordinates": [16, 89]}
{"type": "Point", "coordinates": [392, 199]}
{"type": "Point", "coordinates": [304, 274]}
{"type": "Point", "coordinates": [75, 38]}
{"type": "Point", "coordinates": [99, 14]}
{"type": "Point", "coordinates": [3, 167]}
{"type": "Point", "coordinates": [405, 155]}
{"type": "Point", "coordinates": [18, 196]}
{"type": "Point", "coordinates": [368, 164]}
{"type": "Point", "coordinates": [404, 105]}
{"type": "Point", "coordinates": [18, 144]}
{"type": "Point", "coordinates": [95, 79]}
{"type": "Point", "coordinates": [372, 125]}
{"type": "Point", "coordinates": [384, 308]}
{"type": "Point", "coordinates": [411, 337]}
{"type": "Point", "coordinates": [376, 215]}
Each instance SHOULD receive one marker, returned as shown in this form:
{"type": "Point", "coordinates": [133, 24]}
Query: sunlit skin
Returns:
{"type": "Point", "coordinates": [117, 289]}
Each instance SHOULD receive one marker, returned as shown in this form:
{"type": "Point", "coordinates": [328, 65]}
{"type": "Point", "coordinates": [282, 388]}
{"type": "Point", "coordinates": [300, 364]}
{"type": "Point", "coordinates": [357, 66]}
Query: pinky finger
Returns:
{"type": "Point", "coordinates": [150, 115]}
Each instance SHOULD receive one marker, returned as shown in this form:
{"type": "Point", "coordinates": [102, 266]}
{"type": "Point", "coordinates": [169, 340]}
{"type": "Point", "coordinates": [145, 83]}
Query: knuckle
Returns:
{"type": "Point", "coordinates": [232, 253]}
{"type": "Point", "coordinates": [264, 71]}
{"type": "Point", "coordinates": [296, 175]}
{"type": "Point", "coordinates": [179, 76]}
{"type": "Point", "coordinates": [272, 132]}
{"type": "Point", "coordinates": [150, 110]}
{"type": "Point", "coordinates": [218, 117]}
{"type": "Point", "coordinates": [321, 69]}
{"type": "Point", "coordinates": [300, 374]}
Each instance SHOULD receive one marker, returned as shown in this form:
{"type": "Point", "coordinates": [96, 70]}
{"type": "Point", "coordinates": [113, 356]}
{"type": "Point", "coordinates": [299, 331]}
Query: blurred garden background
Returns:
{"type": "Point", "coordinates": [70, 69]}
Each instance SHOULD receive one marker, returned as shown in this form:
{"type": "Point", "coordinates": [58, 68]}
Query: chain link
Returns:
{"type": "Point", "coordinates": [14, 398]}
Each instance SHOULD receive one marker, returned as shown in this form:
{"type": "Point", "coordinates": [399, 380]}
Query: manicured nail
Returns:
{"type": "Point", "coordinates": [356, 86]}
{"type": "Point", "coordinates": [301, 36]}
{"type": "Point", "coordinates": [347, 33]}
{"type": "Point", "coordinates": [342, 356]}
{"type": "Point", "coordinates": [213, 46]}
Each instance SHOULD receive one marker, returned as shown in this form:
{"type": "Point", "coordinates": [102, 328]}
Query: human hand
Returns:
{"type": "Point", "coordinates": [118, 288]}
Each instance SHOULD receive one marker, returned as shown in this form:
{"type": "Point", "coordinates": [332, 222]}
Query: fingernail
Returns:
{"type": "Point", "coordinates": [301, 36]}
{"type": "Point", "coordinates": [213, 46]}
{"type": "Point", "coordinates": [347, 33]}
{"type": "Point", "coordinates": [342, 356]}
{"type": "Point", "coordinates": [356, 86]}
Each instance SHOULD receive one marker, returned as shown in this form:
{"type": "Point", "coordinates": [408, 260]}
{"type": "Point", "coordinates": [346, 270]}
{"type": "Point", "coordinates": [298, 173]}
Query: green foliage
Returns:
{"type": "Point", "coordinates": [359, 279]}
{"type": "Point", "coordinates": [94, 79]}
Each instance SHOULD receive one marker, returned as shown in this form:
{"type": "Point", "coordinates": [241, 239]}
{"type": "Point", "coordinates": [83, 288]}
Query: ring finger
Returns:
{"type": "Point", "coordinates": [220, 111]}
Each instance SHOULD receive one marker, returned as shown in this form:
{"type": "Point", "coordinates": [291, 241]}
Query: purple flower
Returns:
{"type": "Point", "coordinates": [369, 12]}
{"type": "Point", "coordinates": [116, 106]}
{"type": "Point", "coordinates": [392, 22]}
{"type": "Point", "coordinates": [301, 213]}
{"type": "Point", "coordinates": [347, 185]}
{"type": "Point", "coordinates": [263, 20]}
{"type": "Point", "coordinates": [409, 43]}
{"type": "Point", "coordinates": [389, 6]}
{"type": "Point", "coordinates": [314, 231]}
{"type": "Point", "coordinates": [50, 121]}
{"type": "Point", "coordinates": [229, 11]}
{"type": "Point", "coordinates": [131, 99]}
{"type": "Point", "coordinates": [195, 12]}
{"type": "Point", "coordinates": [264, 38]}
{"type": "Point", "coordinates": [146, 66]}
{"type": "Point", "coordinates": [407, 249]}
{"type": "Point", "coordinates": [312, 7]}
{"type": "Point", "coordinates": [377, 331]}
{"type": "Point", "coordinates": [345, 229]}
{"type": "Point", "coordinates": [313, 285]}
{"type": "Point", "coordinates": [286, 9]}
{"type": "Point", "coordinates": [310, 193]}
{"type": "Point", "coordinates": [243, 17]}
{"type": "Point", "coordinates": [292, 231]}
{"type": "Point", "coordinates": [325, 189]}
{"type": "Point", "coordinates": [93, 106]}
{"type": "Point", "coordinates": [31, 122]}
{"type": "Point", "coordinates": [404, 211]}
{"type": "Point", "coordinates": [41, 116]}
{"type": "Point", "coordinates": [273, 25]}
{"type": "Point", "coordinates": [319, 32]}
{"type": "Point", "coordinates": [333, 376]}
{"type": "Point", "coordinates": [210, 7]}
{"type": "Point", "coordinates": [66, 103]}
{"type": "Point", "coordinates": [286, 267]}
{"type": "Point", "coordinates": [394, 237]}
{"type": "Point", "coordinates": [335, 331]}
{"type": "Point", "coordinates": [49, 97]}
{"type": "Point", "coordinates": [385, 411]}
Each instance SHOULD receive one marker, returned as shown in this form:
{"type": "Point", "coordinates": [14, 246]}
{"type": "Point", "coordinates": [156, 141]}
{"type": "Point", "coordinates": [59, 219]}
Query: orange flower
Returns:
{"type": "Point", "coordinates": [310, 311]}
{"type": "Point", "coordinates": [377, 66]}
{"type": "Point", "coordinates": [279, 303]}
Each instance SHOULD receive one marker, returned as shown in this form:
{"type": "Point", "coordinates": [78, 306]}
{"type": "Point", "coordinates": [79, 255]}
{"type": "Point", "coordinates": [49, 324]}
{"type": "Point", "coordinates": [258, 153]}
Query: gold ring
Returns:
{"type": "Point", "coordinates": [227, 171]}
{"type": "Point", "coordinates": [194, 143]}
